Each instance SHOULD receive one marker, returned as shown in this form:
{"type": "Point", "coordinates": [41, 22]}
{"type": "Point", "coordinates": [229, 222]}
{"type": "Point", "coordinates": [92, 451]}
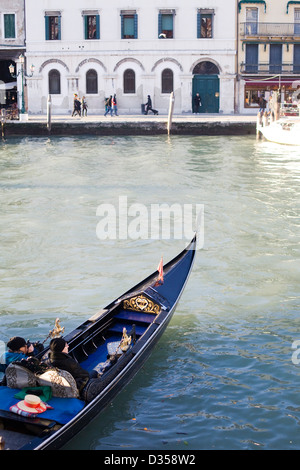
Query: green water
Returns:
{"type": "Point", "coordinates": [222, 376]}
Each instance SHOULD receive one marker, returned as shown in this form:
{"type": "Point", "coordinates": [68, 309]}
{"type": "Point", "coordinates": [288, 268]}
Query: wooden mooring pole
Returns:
{"type": "Point", "coordinates": [49, 113]}
{"type": "Point", "coordinates": [3, 121]}
{"type": "Point", "coordinates": [171, 109]}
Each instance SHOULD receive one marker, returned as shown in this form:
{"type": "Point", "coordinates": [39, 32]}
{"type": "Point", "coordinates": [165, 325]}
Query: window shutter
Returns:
{"type": "Point", "coordinates": [9, 26]}
{"type": "Point", "coordinates": [198, 25]}
{"type": "Point", "coordinates": [275, 58]}
{"type": "Point", "coordinates": [129, 24]}
{"type": "Point", "coordinates": [135, 26]}
{"type": "Point", "coordinates": [296, 62]}
{"type": "Point", "coordinates": [251, 58]}
{"type": "Point", "coordinates": [167, 22]}
{"type": "Point", "coordinates": [59, 27]}
{"type": "Point", "coordinates": [97, 27]}
{"type": "Point", "coordinates": [159, 23]}
{"type": "Point", "coordinates": [47, 35]}
{"type": "Point", "coordinates": [122, 26]}
{"type": "Point", "coordinates": [86, 27]}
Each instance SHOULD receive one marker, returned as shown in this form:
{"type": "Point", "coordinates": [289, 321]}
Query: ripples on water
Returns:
{"type": "Point", "coordinates": [222, 376]}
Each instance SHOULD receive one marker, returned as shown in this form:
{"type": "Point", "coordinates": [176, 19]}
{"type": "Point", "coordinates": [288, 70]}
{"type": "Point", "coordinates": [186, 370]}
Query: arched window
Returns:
{"type": "Point", "coordinates": [167, 81]}
{"type": "Point", "coordinates": [54, 82]}
{"type": "Point", "coordinates": [91, 81]}
{"type": "Point", "coordinates": [206, 68]}
{"type": "Point", "coordinates": [129, 81]}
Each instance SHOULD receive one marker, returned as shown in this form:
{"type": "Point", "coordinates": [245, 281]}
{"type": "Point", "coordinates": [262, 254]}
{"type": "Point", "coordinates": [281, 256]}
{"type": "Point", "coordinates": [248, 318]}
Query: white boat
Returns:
{"type": "Point", "coordinates": [284, 131]}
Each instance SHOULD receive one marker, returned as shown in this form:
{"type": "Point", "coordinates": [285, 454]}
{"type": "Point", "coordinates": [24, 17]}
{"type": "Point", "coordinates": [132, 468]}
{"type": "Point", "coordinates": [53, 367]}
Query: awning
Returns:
{"type": "Point", "coordinates": [287, 82]}
{"type": "Point", "coordinates": [7, 86]}
{"type": "Point", "coordinates": [252, 1]}
{"type": "Point", "coordinates": [291, 3]}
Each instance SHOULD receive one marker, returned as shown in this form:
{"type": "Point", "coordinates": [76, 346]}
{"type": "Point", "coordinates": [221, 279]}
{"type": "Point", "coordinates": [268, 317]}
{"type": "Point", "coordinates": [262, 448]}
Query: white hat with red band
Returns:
{"type": "Point", "coordinates": [32, 404]}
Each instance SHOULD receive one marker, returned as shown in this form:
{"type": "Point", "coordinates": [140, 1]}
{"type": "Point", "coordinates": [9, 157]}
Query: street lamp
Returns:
{"type": "Point", "coordinates": [23, 74]}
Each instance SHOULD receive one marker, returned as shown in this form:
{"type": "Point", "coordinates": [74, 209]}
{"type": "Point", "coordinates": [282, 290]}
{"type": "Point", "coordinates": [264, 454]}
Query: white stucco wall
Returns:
{"type": "Point", "coordinates": [72, 56]}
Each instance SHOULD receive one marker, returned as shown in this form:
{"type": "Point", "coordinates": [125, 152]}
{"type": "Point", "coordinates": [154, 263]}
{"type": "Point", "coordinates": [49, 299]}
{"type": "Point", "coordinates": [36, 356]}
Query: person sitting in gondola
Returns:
{"type": "Point", "coordinates": [18, 349]}
{"type": "Point", "coordinates": [59, 357]}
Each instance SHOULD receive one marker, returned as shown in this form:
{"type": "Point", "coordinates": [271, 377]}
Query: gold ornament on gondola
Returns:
{"type": "Point", "coordinates": [140, 303]}
{"type": "Point", "coordinates": [125, 341]}
{"type": "Point", "coordinates": [57, 330]}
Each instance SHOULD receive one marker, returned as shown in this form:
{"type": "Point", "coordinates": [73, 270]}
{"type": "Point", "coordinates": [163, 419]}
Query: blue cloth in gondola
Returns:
{"type": "Point", "coordinates": [63, 410]}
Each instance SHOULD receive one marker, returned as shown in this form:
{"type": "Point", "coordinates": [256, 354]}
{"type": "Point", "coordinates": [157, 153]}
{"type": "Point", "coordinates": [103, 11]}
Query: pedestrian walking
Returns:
{"type": "Point", "coordinates": [262, 104]}
{"type": "Point", "coordinates": [84, 106]}
{"type": "Point", "coordinates": [114, 105]}
{"type": "Point", "coordinates": [108, 106]}
{"type": "Point", "coordinates": [148, 106]}
{"type": "Point", "coordinates": [76, 106]}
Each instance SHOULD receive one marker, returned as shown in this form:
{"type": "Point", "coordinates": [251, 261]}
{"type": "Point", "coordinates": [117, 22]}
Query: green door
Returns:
{"type": "Point", "coordinates": [208, 88]}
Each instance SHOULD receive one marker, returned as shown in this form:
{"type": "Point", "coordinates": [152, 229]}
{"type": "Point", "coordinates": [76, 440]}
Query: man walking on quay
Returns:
{"type": "Point", "coordinates": [108, 105]}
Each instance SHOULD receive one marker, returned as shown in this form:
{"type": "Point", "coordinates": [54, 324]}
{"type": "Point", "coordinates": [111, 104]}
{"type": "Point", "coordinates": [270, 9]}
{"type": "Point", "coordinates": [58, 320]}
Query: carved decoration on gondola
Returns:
{"type": "Point", "coordinates": [57, 330]}
{"type": "Point", "coordinates": [140, 303]}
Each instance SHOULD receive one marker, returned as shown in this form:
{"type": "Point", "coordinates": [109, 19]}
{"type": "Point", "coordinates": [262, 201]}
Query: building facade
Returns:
{"type": "Point", "coordinates": [268, 52]}
{"type": "Point", "coordinates": [132, 49]}
{"type": "Point", "coordinates": [12, 46]}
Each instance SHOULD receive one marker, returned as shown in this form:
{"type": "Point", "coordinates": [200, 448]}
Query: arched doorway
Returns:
{"type": "Point", "coordinates": [206, 83]}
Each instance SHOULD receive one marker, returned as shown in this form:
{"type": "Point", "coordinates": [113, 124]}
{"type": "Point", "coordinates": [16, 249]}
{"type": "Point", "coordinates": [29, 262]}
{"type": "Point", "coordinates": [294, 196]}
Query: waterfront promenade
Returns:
{"type": "Point", "coordinates": [183, 124]}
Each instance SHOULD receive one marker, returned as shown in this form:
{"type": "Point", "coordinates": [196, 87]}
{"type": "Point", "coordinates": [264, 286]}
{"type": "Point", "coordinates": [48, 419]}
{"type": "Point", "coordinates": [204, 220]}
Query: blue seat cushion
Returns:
{"type": "Point", "coordinates": [64, 409]}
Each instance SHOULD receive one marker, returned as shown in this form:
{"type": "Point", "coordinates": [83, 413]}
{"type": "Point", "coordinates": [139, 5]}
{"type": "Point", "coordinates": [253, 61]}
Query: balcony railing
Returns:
{"type": "Point", "coordinates": [267, 68]}
{"type": "Point", "coordinates": [254, 29]}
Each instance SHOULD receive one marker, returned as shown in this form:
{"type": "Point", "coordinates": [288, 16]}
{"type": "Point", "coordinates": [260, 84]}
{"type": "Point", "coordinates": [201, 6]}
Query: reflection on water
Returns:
{"type": "Point", "coordinates": [222, 374]}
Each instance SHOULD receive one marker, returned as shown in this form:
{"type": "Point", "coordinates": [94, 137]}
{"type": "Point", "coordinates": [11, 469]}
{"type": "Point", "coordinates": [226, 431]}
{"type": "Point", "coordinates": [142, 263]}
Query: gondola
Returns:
{"type": "Point", "coordinates": [142, 315]}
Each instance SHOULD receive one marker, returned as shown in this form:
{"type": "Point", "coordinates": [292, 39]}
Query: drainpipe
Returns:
{"type": "Point", "coordinates": [23, 66]}
{"type": "Point", "coordinates": [24, 22]}
{"type": "Point", "coordinates": [236, 87]}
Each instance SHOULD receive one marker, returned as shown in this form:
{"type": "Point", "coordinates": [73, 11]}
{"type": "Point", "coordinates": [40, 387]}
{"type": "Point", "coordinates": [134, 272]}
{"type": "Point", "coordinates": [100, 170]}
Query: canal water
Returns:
{"type": "Point", "coordinates": [226, 373]}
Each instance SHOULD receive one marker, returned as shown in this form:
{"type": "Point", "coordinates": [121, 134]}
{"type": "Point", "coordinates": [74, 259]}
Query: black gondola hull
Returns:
{"type": "Point", "coordinates": [165, 296]}
{"type": "Point", "coordinates": [56, 442]}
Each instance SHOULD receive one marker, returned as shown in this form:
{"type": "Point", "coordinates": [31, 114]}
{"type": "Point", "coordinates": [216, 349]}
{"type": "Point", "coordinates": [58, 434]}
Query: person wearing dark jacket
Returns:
{"type": "Point", "coordinates": [18, 349]}
{"type": "Point", "coordinates": [76, 106]}
{"type": "Point", "coordinates": [197, 103]}
{"type": "Point", "coordinates": [59, 357]}
{"type": "Point", "coordinates": [148, 106]}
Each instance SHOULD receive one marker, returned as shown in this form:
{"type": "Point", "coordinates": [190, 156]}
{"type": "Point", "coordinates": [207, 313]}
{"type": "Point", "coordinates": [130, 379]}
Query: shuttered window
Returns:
{"type": "Point", "coordinates": [296, 62]}
{"type": "Point", "coordinates": [275, 58]}
{"type": "Point", "coordinates": [252, 20]}
{"type": "Point", "coordinates": [205, 23]}
{"type": "Point", "coordinates": [297, 21]}
{"type": "Point", "coordinates": [9, 25]}
{"type": "Point", "coordinates": [52, 27]}
{"type": "Point", "coordinates": [251, 58]}
{"type": "Point", "coordinates": [166, 24]}
{"type": "Point", "coordinates": [129, 25]}
{"type": "Point", "coordinates": [91, 26]}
